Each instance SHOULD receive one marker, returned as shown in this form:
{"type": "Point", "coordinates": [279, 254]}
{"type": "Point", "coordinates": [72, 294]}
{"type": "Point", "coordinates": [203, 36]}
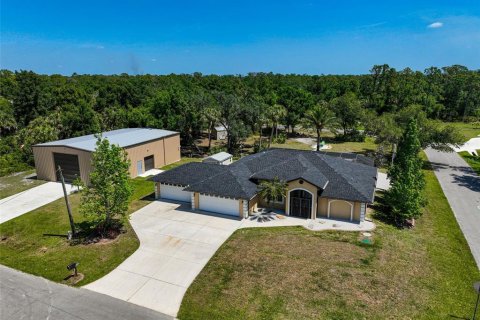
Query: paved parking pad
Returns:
{"type": "Point", "coordinates": [175, 245]}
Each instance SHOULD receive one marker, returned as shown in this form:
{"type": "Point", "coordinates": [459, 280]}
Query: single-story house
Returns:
{"type": "Point", "coordinates": [219, 133]}
{"type": "Point", "coordinates": [224, 158]}
{"type": "Point", "coordinates": [146, 149]}
{"type": "Point", "coordinates": [319, 184]}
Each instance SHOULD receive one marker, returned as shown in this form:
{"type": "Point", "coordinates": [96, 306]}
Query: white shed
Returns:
{"type": "Point", "coordinates": [219, 158]}
{"type": "Point", "coordinates": [220, 133]}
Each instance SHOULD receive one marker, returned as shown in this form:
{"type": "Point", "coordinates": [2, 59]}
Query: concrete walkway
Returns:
{"type": "Point", "coordinates": [23, 296]}
{"type": "Point", "coordinates": [461, 186]}
{"type": "Point", "coordinates": [31, 199]}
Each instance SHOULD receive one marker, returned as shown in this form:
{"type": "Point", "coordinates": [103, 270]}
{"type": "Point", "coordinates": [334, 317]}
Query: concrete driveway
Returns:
{"type": "Point", "coordinates": [175, 245]}
{"type": "Point", "coordinates": [31, 199]}
{"type": "Point", "coordinates": [461, 186]}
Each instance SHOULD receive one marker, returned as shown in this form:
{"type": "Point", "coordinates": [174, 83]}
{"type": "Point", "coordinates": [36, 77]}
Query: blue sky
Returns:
{"type": "Point", "coordinates": [237, 37]}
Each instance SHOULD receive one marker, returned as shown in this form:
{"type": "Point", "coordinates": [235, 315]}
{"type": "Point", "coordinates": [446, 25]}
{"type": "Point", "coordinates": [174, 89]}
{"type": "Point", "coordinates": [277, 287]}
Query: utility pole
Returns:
{"type": "Point", "coordinates": [70, 217]}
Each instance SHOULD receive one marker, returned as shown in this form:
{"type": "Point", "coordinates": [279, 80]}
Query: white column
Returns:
{"type": "Point", "coordinates": [192, 199]}
{"type": "Point", "coordinates": [157, 190]}
{"type": "Point", "coordinates": [362, 212]}
{"type": "Point", "coordinates": [245, 208]}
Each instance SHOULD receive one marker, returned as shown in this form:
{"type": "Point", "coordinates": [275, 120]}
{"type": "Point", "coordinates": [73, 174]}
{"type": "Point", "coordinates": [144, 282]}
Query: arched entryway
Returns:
{"type": "Point", "coordinates": [301, 202]}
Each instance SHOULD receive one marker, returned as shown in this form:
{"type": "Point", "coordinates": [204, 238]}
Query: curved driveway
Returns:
{"type": "Point", "coordinates": [461, 186]}
{"type": "Point", "coordinates": [175, 245]}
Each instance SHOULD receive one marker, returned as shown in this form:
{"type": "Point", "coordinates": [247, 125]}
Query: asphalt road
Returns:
{"type": "Point", "coordinates": [23, 296]}
{"type": "Point", "coordinates": [461, 186]}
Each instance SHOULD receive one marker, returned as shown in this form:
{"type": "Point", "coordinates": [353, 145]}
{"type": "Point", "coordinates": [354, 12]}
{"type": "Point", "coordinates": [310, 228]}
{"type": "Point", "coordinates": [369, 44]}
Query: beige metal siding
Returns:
{"type": "Point", "coordinates": [172, 149]}
{"type": "Point", "coordinates": [45, 164]}
{"type": "Point", "coordinates": [139, 152]}
{"type": "Point", "coordinates": [165, 151]}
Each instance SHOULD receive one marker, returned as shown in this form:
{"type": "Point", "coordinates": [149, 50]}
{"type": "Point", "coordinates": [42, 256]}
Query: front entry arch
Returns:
{"type": "Point", "coordinates": [301, 203]}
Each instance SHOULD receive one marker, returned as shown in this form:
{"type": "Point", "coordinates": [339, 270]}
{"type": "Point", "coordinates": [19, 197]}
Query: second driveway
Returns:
{"type": "Point", "coordinates": [175, 245]}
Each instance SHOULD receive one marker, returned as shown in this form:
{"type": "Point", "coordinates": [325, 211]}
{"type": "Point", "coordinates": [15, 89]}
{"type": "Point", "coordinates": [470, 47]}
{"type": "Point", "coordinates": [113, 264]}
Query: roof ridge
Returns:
{"type": "Point", "coordinates": [341, 175]}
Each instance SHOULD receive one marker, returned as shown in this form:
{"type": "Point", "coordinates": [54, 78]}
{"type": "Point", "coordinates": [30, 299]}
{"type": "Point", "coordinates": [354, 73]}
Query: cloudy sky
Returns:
{"type": "Point", "coordinates": [236, 37]}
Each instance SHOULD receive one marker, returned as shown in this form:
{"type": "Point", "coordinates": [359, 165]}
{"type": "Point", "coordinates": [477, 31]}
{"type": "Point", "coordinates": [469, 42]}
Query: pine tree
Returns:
{"type": "Point", "coordinates": [405, 196]}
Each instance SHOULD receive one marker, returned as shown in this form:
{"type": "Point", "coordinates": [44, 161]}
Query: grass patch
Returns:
{"type": "Point", "coordinates": [183, 160]}
{"type": "Point", "coordinates": [469, 130]}
{"type": "Point", "coordinates": [18, 182]}
{"type": "Point", "coordinates": [36, 243]}
{"type": "Point", "coordinates": [266, 273]}
{"type": "Point", "coordinates": [473, 161]}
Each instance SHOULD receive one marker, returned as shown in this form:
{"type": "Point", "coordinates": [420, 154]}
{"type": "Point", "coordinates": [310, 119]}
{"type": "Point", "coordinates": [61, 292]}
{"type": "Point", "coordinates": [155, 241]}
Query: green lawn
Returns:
{"type": "Point", "coordinates": [469, 130]}
{"type": "Point", "coordinates": [285, 273]}
{"type": "Point", "coordinates": [35, 242]}
{"type": "Point", "coordinates": [17, 182]}
{"type": "Point", "coordinates": [473, 161]}
{"type": "Point", "coordinates": [183, 160]}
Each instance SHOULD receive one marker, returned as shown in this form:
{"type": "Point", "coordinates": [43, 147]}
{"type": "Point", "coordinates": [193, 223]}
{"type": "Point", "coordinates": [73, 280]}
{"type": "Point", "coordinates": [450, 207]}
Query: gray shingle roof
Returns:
{"type": "Point", "coordinates": [122, 137]}
{"type": "Point", "coordinates": [338, 177]}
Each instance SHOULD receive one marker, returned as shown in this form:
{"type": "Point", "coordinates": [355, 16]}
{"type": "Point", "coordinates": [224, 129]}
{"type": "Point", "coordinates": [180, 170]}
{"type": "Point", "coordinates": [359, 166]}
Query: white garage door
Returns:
{"type": "Point", "coordinates": [219, 205]}
{"type": "Point", "coordinates": [174, 193]}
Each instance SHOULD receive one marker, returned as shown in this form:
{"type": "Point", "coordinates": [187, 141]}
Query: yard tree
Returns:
{"type": "Point", "coordinates": [273, 189]}
{"type": "Point", "coordinates": [348, 110]}
{"type": "Point", "coordinates": [319, 117]}
{"type": "Point", "coordinates": [405, 196]}
{"type": "Point", "coordinates": [105, 201]}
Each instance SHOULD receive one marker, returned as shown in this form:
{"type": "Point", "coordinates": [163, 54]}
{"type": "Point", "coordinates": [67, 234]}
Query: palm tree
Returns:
{"type": "Point", "coordinates": [275, 113]}
{"type": "Point", "coordinates": [273, 189]}
{"type": "Point", "coordinates": [319, 117]}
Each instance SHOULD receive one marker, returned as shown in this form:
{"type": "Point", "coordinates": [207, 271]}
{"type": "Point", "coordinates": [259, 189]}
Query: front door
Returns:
{"type": "Point", "coordinates": [300, 204]}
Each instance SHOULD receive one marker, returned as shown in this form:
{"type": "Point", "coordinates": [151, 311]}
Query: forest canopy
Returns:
{"type": "Point", "coordinates": [35, 108]}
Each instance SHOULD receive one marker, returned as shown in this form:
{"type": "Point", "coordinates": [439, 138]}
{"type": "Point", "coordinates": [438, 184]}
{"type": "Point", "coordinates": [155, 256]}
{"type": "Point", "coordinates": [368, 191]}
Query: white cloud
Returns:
{"type": "Point", "coordinates": [154, 59]}
{"type": "Point", "coordinates": [435, 25]}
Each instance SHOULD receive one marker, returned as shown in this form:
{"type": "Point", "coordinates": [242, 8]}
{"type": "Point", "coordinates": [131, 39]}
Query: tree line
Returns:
{"type": "Point", "coordinates": [35, 108]}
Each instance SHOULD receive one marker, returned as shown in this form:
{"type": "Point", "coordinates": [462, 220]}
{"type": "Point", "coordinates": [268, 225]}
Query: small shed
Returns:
{"type": "Point", "coordinates": [219, 133]}
{"type": "Point", "coordinates": [219, 158]}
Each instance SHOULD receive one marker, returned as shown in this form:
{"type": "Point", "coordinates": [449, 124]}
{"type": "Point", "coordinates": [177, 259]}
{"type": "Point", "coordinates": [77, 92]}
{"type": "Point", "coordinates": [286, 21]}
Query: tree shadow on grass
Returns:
{"type": "Point", "coordinates": [149, 197]}
{"type": "Point", "coordinates": [381, 211]}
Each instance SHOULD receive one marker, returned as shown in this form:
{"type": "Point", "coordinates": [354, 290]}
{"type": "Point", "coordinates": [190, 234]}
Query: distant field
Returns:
{"type": "Point", "coordinates": [183, 160]}
{"type": "Point", "coordinates": [469, 130]}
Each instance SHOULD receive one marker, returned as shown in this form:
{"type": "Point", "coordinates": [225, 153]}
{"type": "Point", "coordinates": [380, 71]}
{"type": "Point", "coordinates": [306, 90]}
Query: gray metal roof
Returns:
{"type": "Point", "coordinates": [122, 137]}
{"type": "Point", "coordinates": [220, 128]}
{"type": "Point", "coordinates": [221, 156]}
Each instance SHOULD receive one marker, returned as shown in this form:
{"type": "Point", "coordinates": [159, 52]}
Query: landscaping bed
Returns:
{"type": "Point", "coordinates": [36, 241]}
{"type": "Point", "coordinates": [266, 273]}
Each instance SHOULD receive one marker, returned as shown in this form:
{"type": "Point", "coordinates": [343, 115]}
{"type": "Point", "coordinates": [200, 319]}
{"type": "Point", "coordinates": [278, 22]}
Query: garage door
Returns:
{"type": "Point", "coordinates": [219, 205]}
{"type": "Point", "coordinates": [69, 165]}
{"type": "Point", "coordinates": [149, 163]}
{"type": "Point", "coordinates": [340, 209]}
{"type": "Point", "coordinates": [174, 193]}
